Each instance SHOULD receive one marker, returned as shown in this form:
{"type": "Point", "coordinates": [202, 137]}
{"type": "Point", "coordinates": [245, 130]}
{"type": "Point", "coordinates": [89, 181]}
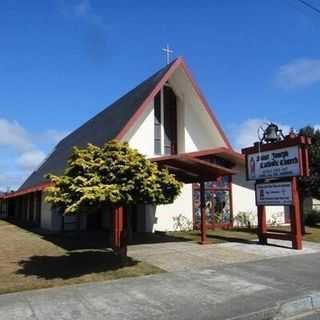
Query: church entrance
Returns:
{"type": "Point", "coordinates": [218, 203]}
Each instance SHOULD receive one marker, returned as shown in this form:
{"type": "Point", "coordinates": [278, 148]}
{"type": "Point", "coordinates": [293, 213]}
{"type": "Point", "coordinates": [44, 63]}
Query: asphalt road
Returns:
{"type": "Point", "coordinates": [216, 293]}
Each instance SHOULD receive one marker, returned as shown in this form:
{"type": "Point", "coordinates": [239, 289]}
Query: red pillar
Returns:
{"type": "Point", "coordinates": [262, 224]}
{"type": "Point", "coordinates": [295, 217]}
{"type": "Point", "coordinates": [119, 239]}
{"type": "Point", "coordinates": [203, 214]}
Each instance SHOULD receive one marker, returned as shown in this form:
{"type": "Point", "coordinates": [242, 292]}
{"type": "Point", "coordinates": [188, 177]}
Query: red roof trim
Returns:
{"type": "Point", "coordinates": [207, 152]}
{"type": "Point", "coordinates": [147, 101]}
{"type": "Point", "coordinates": [38, 187]}
{"type": "Point", "coordinates": [218, 151]}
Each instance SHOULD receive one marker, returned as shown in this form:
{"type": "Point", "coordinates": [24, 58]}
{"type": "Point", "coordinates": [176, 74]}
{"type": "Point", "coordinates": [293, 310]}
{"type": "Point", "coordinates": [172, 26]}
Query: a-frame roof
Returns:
{"type": "Point", "coordinates": [112, 123]}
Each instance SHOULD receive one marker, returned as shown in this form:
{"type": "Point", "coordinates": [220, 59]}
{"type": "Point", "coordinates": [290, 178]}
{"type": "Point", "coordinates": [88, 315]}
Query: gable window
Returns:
{"type": "Point", "coordinates": [170, 121]}
{"type": "Point", "coordinates": [165, 122]}
{"type": "Point", "coordinates": [157, 123]}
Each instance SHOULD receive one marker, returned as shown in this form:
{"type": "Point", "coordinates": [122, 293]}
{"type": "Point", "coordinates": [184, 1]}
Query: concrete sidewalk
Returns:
{"type": "Point", "coordinates": [213, 293]}
{"type": "Point", "coordinates": [187, 256]}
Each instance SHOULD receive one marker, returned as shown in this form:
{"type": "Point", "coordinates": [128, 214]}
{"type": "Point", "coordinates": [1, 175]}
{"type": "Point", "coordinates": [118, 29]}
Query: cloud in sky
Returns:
{"type": "Point", "coordinates": [31, 159]}
{"type": "Point", "coordinates": [81, 9]}
{"type": "Point", "coordinates": [96, 32]}
{"type": "Point", "coordinates": [11, 133]}
{"type": "Point", "coordinates": [22, 152]}
{"type": "Point", "coordinates": [298, 73]}
{"type": "Point", "coordinates": [246, 133]}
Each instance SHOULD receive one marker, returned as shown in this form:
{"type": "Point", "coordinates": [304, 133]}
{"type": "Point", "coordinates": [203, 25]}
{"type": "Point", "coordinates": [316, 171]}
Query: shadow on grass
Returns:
{"type": "Point", "coordinates": [230, 239]}
{"type": "Point", "coordinates": [80, 240]}
{"type": "Point", "coordinates": [73, 264]}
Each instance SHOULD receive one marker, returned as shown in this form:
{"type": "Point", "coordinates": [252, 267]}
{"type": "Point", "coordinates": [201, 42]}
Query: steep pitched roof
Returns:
{"type": "Point", "coordinates": [113, 122]}
{"type": "Point", "coordinates": [103, 127]}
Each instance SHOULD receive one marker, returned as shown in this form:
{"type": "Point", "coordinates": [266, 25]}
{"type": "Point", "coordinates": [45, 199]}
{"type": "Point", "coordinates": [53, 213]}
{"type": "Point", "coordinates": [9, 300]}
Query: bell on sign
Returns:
{"type": "Point", "coordinates": [272, 134]}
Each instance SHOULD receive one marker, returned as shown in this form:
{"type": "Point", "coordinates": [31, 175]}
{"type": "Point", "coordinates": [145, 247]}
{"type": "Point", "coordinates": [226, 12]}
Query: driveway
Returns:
{"type": "Point", "coordinates": [217, 293]}
{"type": "Point", "coordinates": [184, 256]}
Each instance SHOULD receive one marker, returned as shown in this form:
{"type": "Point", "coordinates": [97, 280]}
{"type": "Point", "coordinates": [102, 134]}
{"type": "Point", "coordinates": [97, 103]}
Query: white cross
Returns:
{"type": "Point", "coordinates": [167, 50]}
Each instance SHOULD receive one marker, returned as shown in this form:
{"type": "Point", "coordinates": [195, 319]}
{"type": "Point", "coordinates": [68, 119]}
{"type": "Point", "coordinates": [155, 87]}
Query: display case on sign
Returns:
{"type": "Point", "coordinates": [278, 163]}
{"type": "Point", "coordinates": [274, 194]}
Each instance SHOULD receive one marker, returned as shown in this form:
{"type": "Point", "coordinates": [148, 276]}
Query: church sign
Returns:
{"type": "Point", "coordinates": [277, 163]}
{"type": "Point", "coordinates": [274, 194]}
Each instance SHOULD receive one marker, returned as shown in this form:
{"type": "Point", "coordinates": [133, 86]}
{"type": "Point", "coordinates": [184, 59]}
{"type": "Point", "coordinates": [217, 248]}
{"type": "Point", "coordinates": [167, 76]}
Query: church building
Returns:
{"type": "Point", "coordinates": [167, 119]}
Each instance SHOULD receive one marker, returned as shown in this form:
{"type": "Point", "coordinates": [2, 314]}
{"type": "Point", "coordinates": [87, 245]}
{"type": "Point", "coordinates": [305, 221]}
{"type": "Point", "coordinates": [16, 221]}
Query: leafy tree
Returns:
{"type": "Point", "coordinates": [112, 175]}
{"type": "Point", "coordinates": [310, 186]}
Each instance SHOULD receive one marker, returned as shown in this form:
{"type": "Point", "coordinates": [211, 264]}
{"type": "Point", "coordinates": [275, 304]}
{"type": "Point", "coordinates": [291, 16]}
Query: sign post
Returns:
{"type": "Point", "coordinates": [275, 167]}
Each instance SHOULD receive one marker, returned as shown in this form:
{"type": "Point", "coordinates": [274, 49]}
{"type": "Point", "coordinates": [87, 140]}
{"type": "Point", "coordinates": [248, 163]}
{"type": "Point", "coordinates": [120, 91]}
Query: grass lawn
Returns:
{"type": "Point", "coordinates": [237, 235]}
{"type": "Point", "coordinates": [217, 236]}
{"type": "Point", "coordinates": [30, 261]}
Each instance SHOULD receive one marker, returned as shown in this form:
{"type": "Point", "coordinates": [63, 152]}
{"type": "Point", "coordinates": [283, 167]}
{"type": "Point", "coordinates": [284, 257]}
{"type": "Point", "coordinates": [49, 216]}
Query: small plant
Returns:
{"type": "Point", "coordinates": [182, 223]}
{"type": "Point", "coordinates": [275, 220]}
{"type": "Point", "coordinates": [312, 218]}
{"type": "Point", "coordinates": [244, 219]}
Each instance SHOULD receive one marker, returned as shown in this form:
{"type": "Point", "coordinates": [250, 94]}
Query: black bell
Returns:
{"type": "Point", "coordinates": [271, 134]}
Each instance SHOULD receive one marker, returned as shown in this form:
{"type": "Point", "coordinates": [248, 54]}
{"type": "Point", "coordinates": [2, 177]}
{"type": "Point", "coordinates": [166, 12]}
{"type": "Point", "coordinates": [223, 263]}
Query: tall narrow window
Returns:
{"type": "Point", "coordinates": [157, 123]}
{"type": "Point", "coordinates": [170, 121]}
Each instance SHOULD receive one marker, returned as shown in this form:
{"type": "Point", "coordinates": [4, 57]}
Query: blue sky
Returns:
{"type": "Point", "coordinates": [62, 61]}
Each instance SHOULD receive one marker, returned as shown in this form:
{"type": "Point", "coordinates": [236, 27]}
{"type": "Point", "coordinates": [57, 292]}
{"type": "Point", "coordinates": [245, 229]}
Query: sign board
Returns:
{"type": "Point", "coordinates": [274, 193]}
{"type": "Point", "coordinates": [278, 163]}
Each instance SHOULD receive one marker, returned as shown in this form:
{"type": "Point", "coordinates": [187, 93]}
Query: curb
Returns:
{"type": "Point", "coordinates": [286, 309]}
{"type": "Point", "coordinates": [304, 304]}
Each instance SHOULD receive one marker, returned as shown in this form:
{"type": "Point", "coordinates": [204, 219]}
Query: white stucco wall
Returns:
{"type": "Point", "coordinates": [196, 131]}
{"type": "Point", "coordinates": [141, 135]}
{"type": "Point", "coordinates": [165, 213]}
{"type": "Point", "coordinates": [244, 200]}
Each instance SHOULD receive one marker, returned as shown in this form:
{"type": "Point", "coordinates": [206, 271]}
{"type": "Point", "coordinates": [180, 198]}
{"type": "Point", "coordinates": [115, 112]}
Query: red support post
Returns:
{"type": "Point", "coordinates": [295, 217]}
{"type": "Point", "coordinates": [119, 239]}
{"type": "Point", "coordinates": [262, 224]}
{"type": "Point", "coordinates": [203, 214]}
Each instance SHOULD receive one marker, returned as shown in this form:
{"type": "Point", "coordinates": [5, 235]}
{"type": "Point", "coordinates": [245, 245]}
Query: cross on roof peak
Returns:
{"type": "Point", "coordinates": [167, 50]}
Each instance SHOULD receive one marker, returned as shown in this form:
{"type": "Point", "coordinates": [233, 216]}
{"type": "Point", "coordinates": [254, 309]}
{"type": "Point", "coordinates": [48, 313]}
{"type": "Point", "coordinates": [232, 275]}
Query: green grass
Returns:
{"type": "Point", "coordinates": [312, 234]}
{"type": "Point", "coordinates": [3, 222]}
{"type": "Point", "coordinates": [237, 235]}
{"type": "Point", "coordinates": [31, 261]}
{"type": "Point", "coordinates": [217, 236]}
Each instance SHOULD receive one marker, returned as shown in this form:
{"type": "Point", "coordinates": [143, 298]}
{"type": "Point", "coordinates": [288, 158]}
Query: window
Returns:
{"type": "Point", "coordinates": [170, 121]}
{"type": "Point", "coordinates": [157, 123]}
{"type": "Point", "coordinates": [165, 117]}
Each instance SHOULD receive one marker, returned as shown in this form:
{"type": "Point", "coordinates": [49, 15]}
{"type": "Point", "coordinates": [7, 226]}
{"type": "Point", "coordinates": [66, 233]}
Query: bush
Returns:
{"type": "Point", "coordinates": [182, 223]}
{"type": "Point", "coordinates": [244, 219]}
{"type": "Point", "coordinates": [312, 218]}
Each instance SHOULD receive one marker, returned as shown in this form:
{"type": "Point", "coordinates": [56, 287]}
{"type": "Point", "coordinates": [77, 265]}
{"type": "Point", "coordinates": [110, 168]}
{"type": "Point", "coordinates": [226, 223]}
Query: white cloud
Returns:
{"type": "Point", "coordinates": [30, 160]}
{"type": "Point", "coordinates": [26, 151]}
{"type": "Point", "coordinates": [13, 134]}
{"type": "Point", "coordinates": [11, 180]}
{"type": "Point", "coordinates": [317, 126]}
{"type": "Point", "coordinates": [82, 8]}
{"type": "Point", "coordinates": [51, 136]}
{"type": "Point", "coordinates": [246, 133]}
{"type": "Point", "coordinates": [298, 73]}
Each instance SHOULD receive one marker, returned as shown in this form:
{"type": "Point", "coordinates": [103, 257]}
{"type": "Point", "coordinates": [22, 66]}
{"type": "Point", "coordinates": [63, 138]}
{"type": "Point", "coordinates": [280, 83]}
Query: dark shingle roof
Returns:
{"type": "Point", "coordinates": [101, 128]}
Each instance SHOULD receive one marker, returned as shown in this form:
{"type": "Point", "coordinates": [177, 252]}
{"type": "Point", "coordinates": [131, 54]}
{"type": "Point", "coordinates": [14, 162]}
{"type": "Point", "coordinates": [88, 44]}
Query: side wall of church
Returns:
{"type": "Point", "coordinates": [244, 203]}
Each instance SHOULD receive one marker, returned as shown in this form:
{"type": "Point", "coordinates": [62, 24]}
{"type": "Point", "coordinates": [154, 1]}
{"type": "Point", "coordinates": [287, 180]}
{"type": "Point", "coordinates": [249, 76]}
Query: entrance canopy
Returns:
{"type": "Point", "coordinates": [202, 166]}
{"type": "Point", "coordinates": [199, 166]}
